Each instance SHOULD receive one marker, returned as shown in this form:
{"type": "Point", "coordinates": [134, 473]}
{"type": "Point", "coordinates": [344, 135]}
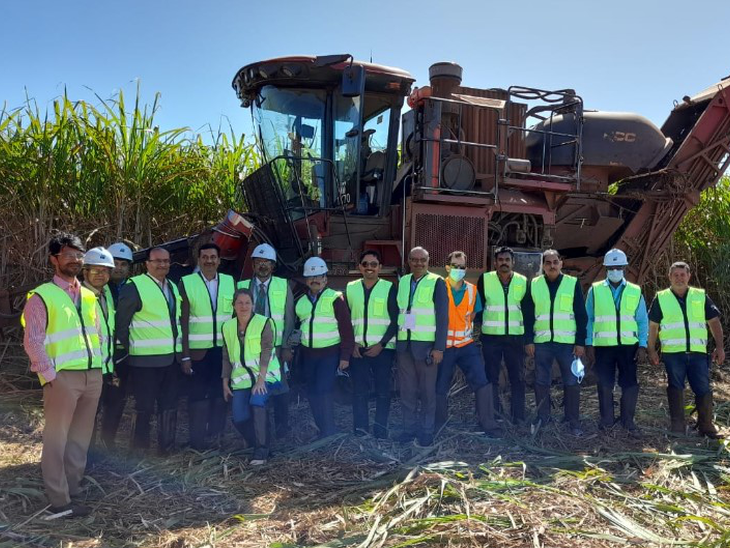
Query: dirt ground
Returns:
{"type": "Point", "coordinates": [535, 489]}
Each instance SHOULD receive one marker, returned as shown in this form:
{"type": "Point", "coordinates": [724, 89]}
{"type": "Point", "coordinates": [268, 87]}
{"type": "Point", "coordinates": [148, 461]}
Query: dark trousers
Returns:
{"type": "Point", "coordinates": [470, 361]}
{"type": "Point", "coordinates": [320, 370]}
{"type": "Point", "coordinates": [362, 370]}
{"type": "Point", "coordinates": [113, 401]}
{"type": "Point", "coordinates": [609, 359]}
{"type": "Point", "coordinates": [150, 386]}
{"type": "Point", "coordinates": [694, 366]}
{"type": "Point", "coordinates": [417, 382]}
{"type": "Point", "coordinates": [509, 348]}
{"type": "Point", "coordinates": [206, 407]}
{"type": "Point", "coordinates": [545, 353]}
{"type": "Point", "coordinates": [205, 382]}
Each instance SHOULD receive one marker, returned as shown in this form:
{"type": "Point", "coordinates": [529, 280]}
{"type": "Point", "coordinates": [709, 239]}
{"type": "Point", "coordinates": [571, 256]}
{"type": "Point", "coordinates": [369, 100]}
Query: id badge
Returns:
{"type": "Point", "coordinates": [410, 321]}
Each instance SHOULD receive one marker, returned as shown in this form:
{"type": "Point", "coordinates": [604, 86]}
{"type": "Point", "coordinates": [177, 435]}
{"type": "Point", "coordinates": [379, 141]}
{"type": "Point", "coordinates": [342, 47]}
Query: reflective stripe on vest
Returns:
{"type": "Point", "coordinates": [421, 307]}
{"type": "Point", "coordinates": [502, 313]}
{"type": "Point", "coordinates": [245, 369]}
{"type": "Point", "coordinates": [151, 329]}
{"type": "Point", "coordinates": [554, 319]}
{"type": "Point", "coordinates": [72, 340]}
{"type": "Point", "coordinates": [461, 317]}
{"type": "Point", "coordinates": [612, 327]}
{"type": "Point", "coordinates": [203, 323]}
{"type": "Point", "coordinates": [318, 322]}
{"type": "Point", "coordinates": [680, 332]}
{"type": "Point", "coordinates": [371, 323]}
{"type": "Point", "coordinates": [276, 294]}
{"type": "Point", "coordinates": [108, 323]}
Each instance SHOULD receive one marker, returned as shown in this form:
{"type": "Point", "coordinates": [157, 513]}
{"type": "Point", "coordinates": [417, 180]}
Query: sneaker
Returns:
{"type": "Point", "coordinates": [360, 432]}
{"type": "Point", "coordinates": [70, 510]}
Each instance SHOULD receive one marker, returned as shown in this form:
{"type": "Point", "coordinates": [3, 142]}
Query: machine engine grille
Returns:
{"type": "Point", "coordinates": [441, 234]}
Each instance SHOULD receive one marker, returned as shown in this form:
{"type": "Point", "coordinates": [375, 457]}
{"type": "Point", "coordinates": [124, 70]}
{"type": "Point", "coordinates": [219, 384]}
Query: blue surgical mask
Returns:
{"type": "Point", "coordinates": [615, 276]}
{"type": "Point", "coordinates": [457, 274]}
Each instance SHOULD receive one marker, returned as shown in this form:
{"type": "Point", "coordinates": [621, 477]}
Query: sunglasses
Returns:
{"type": "Point", "coordinates": [371, 264]}
{"type": "Point", "coordinates": [458, 266]}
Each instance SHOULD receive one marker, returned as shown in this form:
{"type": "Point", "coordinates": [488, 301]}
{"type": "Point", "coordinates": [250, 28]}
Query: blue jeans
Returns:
{"type": "Point", "coordinates": [545, 353]}
{"type": "Point", "coordinates": [469, 359]}
{"type": "Point", "coordinates": [611, 358]}
{"type": "Point", "coordinates": [694, 366]}
{"type": "Point", "coordinates": [243, 400]}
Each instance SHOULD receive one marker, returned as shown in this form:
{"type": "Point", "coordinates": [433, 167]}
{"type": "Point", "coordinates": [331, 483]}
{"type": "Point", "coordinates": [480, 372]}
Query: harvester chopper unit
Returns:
{"type": "Point", "coordinates": [465, 168]}
{"type": "Point", "coordinates": [473, 169]}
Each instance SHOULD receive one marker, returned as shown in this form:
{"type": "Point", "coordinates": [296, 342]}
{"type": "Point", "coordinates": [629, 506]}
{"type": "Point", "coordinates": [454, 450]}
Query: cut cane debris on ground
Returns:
{"type": "Point", "coordinates": [541, 489]}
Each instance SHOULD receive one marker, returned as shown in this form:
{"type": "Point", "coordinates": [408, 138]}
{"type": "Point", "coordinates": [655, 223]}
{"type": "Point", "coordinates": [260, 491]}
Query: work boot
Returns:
{"type": "Point", "coordinates": [197, 421]}
{"type": "Point", "coordinates": [166, 431]}
{"type": "Point", "coordinates": [217, 418]}
{"type": "Point", "coordinates": [517, 403]}
{"type": "Point", "coordinates": [629, 397]}
{"type": "Point", "coordinates": [542, 403]}
{"type": "Point", "coordinates": [571, 396]}
{"type": "Point", "coordinates": [605, 406]}
{"type": "Point", "coordinates": [140, 431]}
{"type": "Point", "coordinates": [442, 411]}
{"type": "Point", "coordinates": [261, 434]}
{"type": "Point", "coordinates": [675, 397]}
{"type": "Point", "coordinates": [704, 417]}
{"type": "Point", "coordinates": [382, 411]}
{"type": "Point", "coordinates": [485, 412]}
{"type": "Point", "coordinates": [281, 415]}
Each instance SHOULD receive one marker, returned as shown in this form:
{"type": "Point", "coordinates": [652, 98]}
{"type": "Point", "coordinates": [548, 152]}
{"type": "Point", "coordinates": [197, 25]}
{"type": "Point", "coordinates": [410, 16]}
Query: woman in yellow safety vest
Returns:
{"type": "Point", "coordinates": [250, 371]}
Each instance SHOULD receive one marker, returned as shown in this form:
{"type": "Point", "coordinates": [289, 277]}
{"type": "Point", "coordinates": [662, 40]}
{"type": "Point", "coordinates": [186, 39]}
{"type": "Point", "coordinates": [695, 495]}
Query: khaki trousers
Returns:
{"type": "Point", "coordinates": [70, 404]}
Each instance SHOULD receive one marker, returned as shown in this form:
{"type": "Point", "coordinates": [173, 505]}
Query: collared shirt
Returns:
{"type": "Point", "coordinates": [256, 287]}
{"type": "Point", "coordinates": [35, 328]}
{"type": "Point", "coordinates": [165, 289]}
{"type": "Point", "coordinates": [641, 315]}
{"type": "Point", "coordinates": [212, 286]}
{"type": "Point", "coordinates": [100, 296]}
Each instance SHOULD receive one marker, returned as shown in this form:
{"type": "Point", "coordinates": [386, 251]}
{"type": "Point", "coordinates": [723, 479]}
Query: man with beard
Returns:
{"type": "Point", "coordinates": [207, 302]}
{"type": "Point", "coordinates": [273, 298]}
{"type": "Point", "coordinates": [63, 342]}
{"type": "Point", "coordinates": [148, 329]}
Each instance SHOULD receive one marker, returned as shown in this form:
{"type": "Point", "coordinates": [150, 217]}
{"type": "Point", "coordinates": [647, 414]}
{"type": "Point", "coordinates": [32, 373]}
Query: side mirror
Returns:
{"type": "Point", "coordinates": [353, 81]}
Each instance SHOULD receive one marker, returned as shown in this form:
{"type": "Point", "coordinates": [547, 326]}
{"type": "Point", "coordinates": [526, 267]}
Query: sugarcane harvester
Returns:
{"type": "Point", "coordinates": [465, 168]}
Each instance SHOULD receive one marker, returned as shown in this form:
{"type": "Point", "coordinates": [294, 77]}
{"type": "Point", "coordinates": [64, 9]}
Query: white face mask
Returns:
{"type": "Point", "coordinates": [615, 276]}
{"type": "Point", "coordinates": [457, 274]}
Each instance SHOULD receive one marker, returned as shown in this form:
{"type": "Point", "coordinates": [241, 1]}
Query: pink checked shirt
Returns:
{"type": "Point", "coordinates": [35, 329]}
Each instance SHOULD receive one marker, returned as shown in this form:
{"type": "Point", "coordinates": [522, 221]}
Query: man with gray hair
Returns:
{"type": "Point", "coordinates": [423, 317]}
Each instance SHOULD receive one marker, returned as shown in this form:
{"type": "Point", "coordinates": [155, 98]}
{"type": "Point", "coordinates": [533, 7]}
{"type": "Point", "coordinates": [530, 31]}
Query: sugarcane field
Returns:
{"type": "Point", "coordinates": [458, 276]}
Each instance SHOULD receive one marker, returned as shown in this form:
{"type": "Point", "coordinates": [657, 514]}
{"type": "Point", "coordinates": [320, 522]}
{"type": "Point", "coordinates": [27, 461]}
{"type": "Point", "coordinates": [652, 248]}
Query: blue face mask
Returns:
{"type": "Point", "coordinates": [457, 274]}
{"type": "Point", "coordinates": [615, 276]}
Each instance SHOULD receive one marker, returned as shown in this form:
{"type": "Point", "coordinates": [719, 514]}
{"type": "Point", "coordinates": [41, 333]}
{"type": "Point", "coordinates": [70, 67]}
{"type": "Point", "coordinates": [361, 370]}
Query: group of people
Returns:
{"type": "Point", "coordinates": [226, 341]}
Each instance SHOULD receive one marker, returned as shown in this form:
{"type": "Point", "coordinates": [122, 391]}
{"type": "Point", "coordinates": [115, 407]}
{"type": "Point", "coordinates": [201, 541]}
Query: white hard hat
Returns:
{"type": "Point", "coordinates": [99, 256]}
{"type": "Point", "coordinates": [121, 251]}
{"type": "Point", "coordinates": [264, 251]}
{"type": "Point", "coordinates": [314, 266]}
{"type": "Point", "coordinates": [615, 257]}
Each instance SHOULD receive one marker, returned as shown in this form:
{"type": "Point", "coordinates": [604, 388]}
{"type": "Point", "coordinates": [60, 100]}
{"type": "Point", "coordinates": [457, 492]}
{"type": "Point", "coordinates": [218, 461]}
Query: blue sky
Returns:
{"type": "Point", "coordinates": [621, 55]}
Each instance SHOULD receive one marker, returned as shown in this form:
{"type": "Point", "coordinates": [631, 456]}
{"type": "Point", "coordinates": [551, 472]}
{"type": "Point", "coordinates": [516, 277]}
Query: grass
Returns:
{"type": "Point", "coordinates": [546, 489]}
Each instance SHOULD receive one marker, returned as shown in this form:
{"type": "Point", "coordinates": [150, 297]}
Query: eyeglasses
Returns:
{"type": "Point", "coordinates": [458, 266]}
{"type": "Point", "coordinates": [70, 255]}
{"type": "Point", "coordinates": [97, 271]}
{"type": "Point", "coordinates": [159, 261]}
{"type": "Point", "coordinates": [371, 264]}
{"type": "Point", "coordinates": [418, 260]}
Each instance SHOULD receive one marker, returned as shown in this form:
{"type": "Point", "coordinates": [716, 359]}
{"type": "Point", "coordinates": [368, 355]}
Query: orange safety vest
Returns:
{"type": "Point", "coordinates": [461, 318]}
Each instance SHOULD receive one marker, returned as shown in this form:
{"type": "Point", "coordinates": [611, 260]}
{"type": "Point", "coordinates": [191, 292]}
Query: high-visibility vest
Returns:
{"type": "Point", "coordinates": [72, 340]}
{"type": "Point", "coordinates": [461, 317]}
{"type": "Point", "coordinates": [276, 294]}
{"type": "Point", "coordinates": [554, 319]}
{"type": "Point", "coordinates": [421, 306]}
{"type": "Point", "coordinates": [502, 313]}
{"type": "Point", "coordinates": [151, 329]}
{"type": "Point", "coordinates": [204, 326]}
{"type": "Point", "coordinates": [613, 327]}
{"type": "Point", "coordinates": [318, 322]}
{"type": "Point", "coordinates": [245, 371]}
{"type": "Point", "coordinates": [371, 323]}
{"type": "Point", "coordinates": [107, 322]}
{"type": "Point", "coordinates": [683, 330]}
